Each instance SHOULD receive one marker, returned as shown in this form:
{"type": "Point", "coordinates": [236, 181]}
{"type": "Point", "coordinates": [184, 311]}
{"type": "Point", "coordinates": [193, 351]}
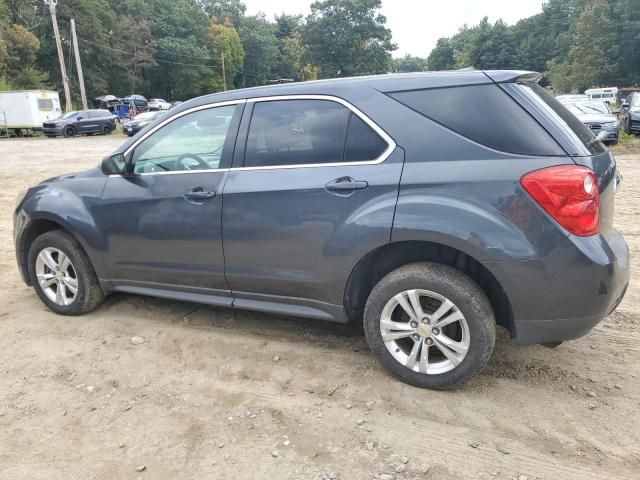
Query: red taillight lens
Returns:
{"type": "Point", "coordinates": [569, 193]}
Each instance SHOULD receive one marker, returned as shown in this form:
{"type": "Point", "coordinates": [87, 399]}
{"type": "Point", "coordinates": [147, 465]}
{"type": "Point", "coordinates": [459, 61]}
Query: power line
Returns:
{"type": "Point", "coordinates": [108, 47]}
{"type": "Point", "coordinates": [158, 49]}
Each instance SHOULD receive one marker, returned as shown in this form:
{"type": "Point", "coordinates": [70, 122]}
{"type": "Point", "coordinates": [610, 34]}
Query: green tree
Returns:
{"type": "Point", "coordinates": [442, 57]}
{"type": "Point", "coordinates": [224, 41]}
{"type": "Point", "coordinates": [261, 51]}
{"type": "Point", "coordinates": [593, 50]}
{"type": "Point", "coordinates": [348, 37]}
{"type": "Point", "coordinates": [408, 63]}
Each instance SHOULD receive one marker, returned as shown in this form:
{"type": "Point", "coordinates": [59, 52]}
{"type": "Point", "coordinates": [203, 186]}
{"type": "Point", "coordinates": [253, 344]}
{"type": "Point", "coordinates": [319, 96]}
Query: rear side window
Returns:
{"type": "Point", "coordinates": [571, 124]}
{"type": "Point", "coordinates": [308, 132]}
{"type": "Point", "coordinates": [485, 114]}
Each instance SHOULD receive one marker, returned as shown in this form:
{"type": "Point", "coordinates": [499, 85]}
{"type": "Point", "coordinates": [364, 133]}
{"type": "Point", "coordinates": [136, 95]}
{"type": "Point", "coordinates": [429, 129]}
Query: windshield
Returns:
{"type": "Point", "coordinates": [70, 115]}
{"type": "Point", "coordinates": [565, 116]}
{"type": "Point", "coordinates": [593, 107]}
{"type": "Point", "coordinates": [636, 101]}
{"type": "Point", "coordinates": [145, 116]}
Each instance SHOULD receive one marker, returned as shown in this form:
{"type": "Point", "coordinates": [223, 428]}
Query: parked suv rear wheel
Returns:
{"type": "Point", "coordinates": [62, 274]}
{"type": "Point", "coordinates": [430, 325]}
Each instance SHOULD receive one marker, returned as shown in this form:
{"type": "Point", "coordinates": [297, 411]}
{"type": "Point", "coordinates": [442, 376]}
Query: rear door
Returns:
{"type": "Point", "coordinates": [312, 189]}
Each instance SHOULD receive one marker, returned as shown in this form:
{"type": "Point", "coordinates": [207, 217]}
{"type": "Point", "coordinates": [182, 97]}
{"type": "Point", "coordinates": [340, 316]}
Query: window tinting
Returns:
{"type": "Point", "coordinates": [194, 141]}
{"type": "Point", "coordinates": [304, 132]}
{"type": "Point", "coordinates": [485, 114]}
{"type": "Point", "coordinates": [562, 115]}
{"type": "Point", "coordinates": [362, 142]}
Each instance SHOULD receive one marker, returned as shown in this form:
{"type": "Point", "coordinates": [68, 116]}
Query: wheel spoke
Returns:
{"type": "Point", "coordinates": [63, 261]}
{"type": "Point", "coordinates": [391, 325]}
{"type": "Point", "coordinates": [46, 279]}
{"type": "Point", "coordinates": [47, 258]}
{"type": "Point", "coordinates": [450, 354]}
{"type": "Point", "coordinates": [413, 356]}
{"type": "Point", "coordinates": [442, 309]}
{"type": "Point", "coordinates": [61, 294]}
{"type": "Point", "coordinates": [71, 283]}
{"type": "Point", "coordinates": [424, 357]}
{"type": "Point", "coordinates": [402, 300]}
{"type": "Point", "coordinates": [414, 297]}
{"type": "Point", "coordinates": [449, 319]}
{"type": "Point", "coordinates": [390, 336]}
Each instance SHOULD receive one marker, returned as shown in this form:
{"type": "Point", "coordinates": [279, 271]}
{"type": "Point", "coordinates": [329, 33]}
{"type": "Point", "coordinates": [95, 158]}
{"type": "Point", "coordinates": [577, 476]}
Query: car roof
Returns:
{"type": "Point", "coordinates": [382, 83]}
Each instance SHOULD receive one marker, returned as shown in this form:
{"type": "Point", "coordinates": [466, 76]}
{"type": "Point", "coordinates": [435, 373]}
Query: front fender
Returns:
{"type": "Point", "coordinates": [69, 204]}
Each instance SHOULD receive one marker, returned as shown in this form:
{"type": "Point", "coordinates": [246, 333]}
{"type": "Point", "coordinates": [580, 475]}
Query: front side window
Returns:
{"type": "Point", "coordinates": [308, 132]}
{"type": "Point", "coordinates": [194, 141]}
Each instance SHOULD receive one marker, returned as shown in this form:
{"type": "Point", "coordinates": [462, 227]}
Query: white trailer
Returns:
{"type": "Point", "coordinates": [22, 111]}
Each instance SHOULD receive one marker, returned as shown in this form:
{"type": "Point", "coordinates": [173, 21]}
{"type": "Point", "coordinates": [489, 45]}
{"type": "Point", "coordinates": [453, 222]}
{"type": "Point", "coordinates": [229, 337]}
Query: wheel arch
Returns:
{"type": "Point", "coordinates": [32, 230]}
{"type": "Point", "coordinates": [383, 260]}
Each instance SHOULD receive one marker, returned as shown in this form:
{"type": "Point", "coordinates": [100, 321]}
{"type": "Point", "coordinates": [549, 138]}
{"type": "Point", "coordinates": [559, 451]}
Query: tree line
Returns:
{"type": "Point", "coordinates": [176, 48]}
{"type": "Point", "coordinates": [578, 44]}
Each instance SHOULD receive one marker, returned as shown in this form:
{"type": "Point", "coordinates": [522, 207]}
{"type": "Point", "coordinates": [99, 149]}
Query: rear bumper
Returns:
{"type": "Point", "coordinates": [565, 295]}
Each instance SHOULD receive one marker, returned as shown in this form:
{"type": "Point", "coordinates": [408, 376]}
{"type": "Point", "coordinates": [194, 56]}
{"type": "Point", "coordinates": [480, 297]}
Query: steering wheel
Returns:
{"type": "Point", "coordinates": [202, 165]}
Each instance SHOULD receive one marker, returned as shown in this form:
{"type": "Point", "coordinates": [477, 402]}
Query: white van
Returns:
{"type": "Point", "coordinates": [605, 94]}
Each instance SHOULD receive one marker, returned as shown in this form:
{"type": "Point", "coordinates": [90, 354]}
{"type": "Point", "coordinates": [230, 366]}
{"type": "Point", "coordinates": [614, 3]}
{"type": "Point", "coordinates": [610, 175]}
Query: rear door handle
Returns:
{"type": "Point", "coordinates": [345, 185]}
{"type": "Point", "coordinates": [198, 195]}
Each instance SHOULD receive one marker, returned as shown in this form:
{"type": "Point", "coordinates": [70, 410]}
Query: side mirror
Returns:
{"type": "Point", "coordinates": [114, 164]}
{"type": "Point", "coordinates": [79, 118]}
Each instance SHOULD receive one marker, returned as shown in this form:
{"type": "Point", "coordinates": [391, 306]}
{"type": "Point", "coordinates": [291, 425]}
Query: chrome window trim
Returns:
{"type": "Point", "coordinates": [391, 145]}
{"type": "Point", "coordinates": [175, 117]}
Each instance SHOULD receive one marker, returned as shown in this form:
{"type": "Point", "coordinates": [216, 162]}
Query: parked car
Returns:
{"type": "Point", "coordinates": [138, 101]}
{"type": "Point", "coordinates": [80, 122]}
{"type": "Point", "coordinates": [572, 98]}
{"type": "Point", "coordinates": [631, 119]}
{"type": "Point", "coordinates": [430, 207]}
{"type": "Point", "coordinates": [597, 116]}
{"type": "Point", "coordinates": [139, 122]}
{"type": "Point", "coordinates": [159, 104]}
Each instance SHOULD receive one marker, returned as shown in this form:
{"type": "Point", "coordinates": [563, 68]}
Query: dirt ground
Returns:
{"type": "Point", "coordinates": [217, 394]}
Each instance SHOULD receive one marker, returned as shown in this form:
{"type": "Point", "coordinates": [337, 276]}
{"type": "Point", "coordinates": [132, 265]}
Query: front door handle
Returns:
{"type": "Point", "coordinates": [345, 185]}
{"type": "Point", "coordinates": [198, 195]}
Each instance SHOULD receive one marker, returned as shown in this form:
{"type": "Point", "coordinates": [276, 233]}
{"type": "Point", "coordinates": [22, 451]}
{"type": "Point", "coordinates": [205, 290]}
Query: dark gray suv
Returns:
{"type": "Point", "coordinates": [430, 207]}
{"type": "Point", "coordinates": [87, 122]}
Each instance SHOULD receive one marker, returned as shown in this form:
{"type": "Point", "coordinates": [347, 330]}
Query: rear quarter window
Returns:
{"type": "Point", "coordinates": [485, 114]}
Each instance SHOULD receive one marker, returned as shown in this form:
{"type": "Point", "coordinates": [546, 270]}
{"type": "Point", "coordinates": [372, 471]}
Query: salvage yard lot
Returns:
{"type": "Point", "coordinates": [217, 394]}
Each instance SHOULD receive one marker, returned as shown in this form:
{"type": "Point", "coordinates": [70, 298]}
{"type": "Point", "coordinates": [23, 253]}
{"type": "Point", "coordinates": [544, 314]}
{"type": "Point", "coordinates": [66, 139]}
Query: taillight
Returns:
{"type": "Point", "coordinates": [569, 193]}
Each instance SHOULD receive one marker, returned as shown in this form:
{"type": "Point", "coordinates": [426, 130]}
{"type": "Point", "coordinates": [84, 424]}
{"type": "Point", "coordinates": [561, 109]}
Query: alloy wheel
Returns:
{"type": "Point", "coordinates": [424, 331]}
{"type": "Point", "coordinates": [56, 276]}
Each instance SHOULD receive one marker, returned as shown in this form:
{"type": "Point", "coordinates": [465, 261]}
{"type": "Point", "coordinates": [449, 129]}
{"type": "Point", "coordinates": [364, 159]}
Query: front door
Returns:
{"type": "Point", "coordinates": [315, 191]}
{"type": "Point", "coordinates": [163, 220]}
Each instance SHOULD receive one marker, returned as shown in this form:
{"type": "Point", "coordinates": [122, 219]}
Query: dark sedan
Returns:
{"type": "Point", "coordinates": [78, 122]}
{"type": "Point", "coordinates": [139, 122]}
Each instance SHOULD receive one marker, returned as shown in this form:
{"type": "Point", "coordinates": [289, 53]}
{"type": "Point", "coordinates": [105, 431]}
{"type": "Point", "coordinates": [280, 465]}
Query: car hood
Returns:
{"type": "Point", "coordinates": [92, 172]}
{"type": "Point", "coordinates": [596, 118]}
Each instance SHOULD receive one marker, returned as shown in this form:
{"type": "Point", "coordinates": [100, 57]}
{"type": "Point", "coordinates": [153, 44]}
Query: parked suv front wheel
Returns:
{"type": "Point", "coordinates": [62, 274]}
{"type": "Point", "coordinates": [430, 325]}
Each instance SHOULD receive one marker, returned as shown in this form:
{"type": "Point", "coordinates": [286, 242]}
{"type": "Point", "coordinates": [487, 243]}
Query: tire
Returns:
{"type": "Point", "coordinates": [88, 293]}
{"type": "Point", "coordinates": [69, 132]}
{"type": "Point", "coordinates": [106, 129]}
{"type": "Point", "coordinates": [429, 280]}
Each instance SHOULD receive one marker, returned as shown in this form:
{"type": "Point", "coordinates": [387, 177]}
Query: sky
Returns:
{"type": "Point", "coordinates": [416, 25]}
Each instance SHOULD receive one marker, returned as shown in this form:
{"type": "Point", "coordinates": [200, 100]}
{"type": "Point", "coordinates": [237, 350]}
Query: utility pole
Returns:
{"type": "Point", "coordinates": [83, 94]}
{"type": "Point", "coordinates": [65, 80]}
{"type": "Point", "coordinates": [224, 73]}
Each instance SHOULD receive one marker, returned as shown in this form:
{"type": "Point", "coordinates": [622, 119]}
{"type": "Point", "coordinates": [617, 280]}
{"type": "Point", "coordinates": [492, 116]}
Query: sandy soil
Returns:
{"type": "Point", "coordinates": [217, 394]}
